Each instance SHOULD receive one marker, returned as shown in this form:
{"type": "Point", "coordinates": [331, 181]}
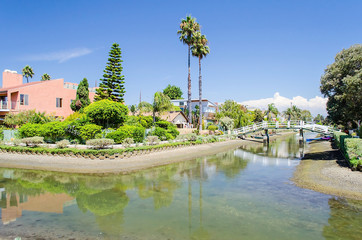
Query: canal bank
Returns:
{"type": "Point", "coordinates": [325, 170]}
{"type": "Point", "coordinates": [124, 165]}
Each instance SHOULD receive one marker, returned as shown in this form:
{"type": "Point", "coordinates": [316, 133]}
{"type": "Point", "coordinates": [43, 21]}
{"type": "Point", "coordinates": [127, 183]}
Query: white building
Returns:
{"type": "Point", "coordinates": [209, 108]}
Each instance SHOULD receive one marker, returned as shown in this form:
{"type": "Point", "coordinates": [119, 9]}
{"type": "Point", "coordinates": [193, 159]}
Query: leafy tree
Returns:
{"type": "Point", "coordinates": [236, 112]}
{"type": "Point", "coordinates": [28, 116]}
{"type": "Point", "coordinates": [258, 115]}
{"type": "Point", "coordinates": [28, 73]}
{"type": "Point", "coordinates": [45, 77]}
{"type": "Point", "coordinates": [133, 109]}
{"type": "Point", "coordinates": [111, 86]}
{"type": "Point", "coordinates": [342, 84]}
{"type": "Point", "coordinates": [145, 107]}
{"type": "Point", "coordinates": [173, 92]}
{"type": "Point", "coordinates": [227, 123]}
{"type": "Point", "coordinates": [107, 113]}
{"type": "Point", "coordinates": [297, 112]}
{"type": "Point", "coordinates": [200, 50]}
{"type": "Point", "coordinates": [272, 109]}
{"type": "Point", "coordinates": [319, 118]}
{"type": "Point", "coordinates": [306, 115]}
{"type": "Point", "coordinates": [289, 113]}
{"type": "Point", "coordinates": [293, 113]}
{"type": "Point", "coordinates": [161, 103]}
{"type": "Point", "coordinates": [82, 97]}
{"type": "Point", "coordinates": [188, 27]}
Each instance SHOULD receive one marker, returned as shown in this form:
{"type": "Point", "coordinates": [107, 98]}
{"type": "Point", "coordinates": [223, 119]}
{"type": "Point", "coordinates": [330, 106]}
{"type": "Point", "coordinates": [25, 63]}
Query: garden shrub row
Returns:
{"type": "Point", "coordinates": [353, 152]}
{"type": "Point", "coordinates": [62, 150]}
{"type": "Point", "coordinates": [351, 149]}
{"type": "Point", "coordinates": [89, 152]}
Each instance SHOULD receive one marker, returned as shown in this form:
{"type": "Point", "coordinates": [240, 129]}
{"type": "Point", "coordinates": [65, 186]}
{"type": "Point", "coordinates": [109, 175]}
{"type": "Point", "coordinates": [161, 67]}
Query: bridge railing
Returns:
{"type": "Point", "coordinates": [294, 124]}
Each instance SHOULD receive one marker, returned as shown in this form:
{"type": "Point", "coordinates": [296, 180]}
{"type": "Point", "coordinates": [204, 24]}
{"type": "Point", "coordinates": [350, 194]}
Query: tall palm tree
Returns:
{"type": "Point", "coordinates": [289, 113]}
{"type": "Point", "coordinates": [297, 112]}
{"type": "Point", "coordinates": [200, 50]}
{"type": "Point", "coordinates": [28, 73]}
{"type": "Point", "coordinates": [188, 27]}
{"type": "Point", "coordinates": [272, 109]}
{"type": "Point", "coordinates": [45, 77]}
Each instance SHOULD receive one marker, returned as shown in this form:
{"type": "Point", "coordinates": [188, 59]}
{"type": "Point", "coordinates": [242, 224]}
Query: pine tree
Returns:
{"type": "Point", "coordinates": [111, 86]}
{"type": "Point", "coordinates": [82, 98]}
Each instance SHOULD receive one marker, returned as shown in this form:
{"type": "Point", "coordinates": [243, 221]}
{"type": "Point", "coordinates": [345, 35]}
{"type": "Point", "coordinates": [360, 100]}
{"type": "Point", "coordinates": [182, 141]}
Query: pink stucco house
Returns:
{"type": "Point", "coordinates": [52, 97]}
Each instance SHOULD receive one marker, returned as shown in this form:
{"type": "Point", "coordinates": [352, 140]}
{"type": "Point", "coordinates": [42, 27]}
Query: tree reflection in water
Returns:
{"type": "Point", "coordinates": [345, 219]}
{"type": "Point", "coordinates": [106, 197]}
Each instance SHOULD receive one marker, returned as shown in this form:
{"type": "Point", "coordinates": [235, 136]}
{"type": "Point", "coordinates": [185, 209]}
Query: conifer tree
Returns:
{"type": "Point", "coordinates": [82, 98]}
{"type": "Point", "coordinates": [111, 86]}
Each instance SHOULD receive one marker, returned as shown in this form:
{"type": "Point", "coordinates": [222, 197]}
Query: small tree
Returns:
{"type": "Point", "coordinates": [107, 113]}
{"type": "Point", "coordinates": [45, 77]}
{"type": "Point", "coordinates": [82, 97]}
{"type": "Point", "coordinates": [111, 86]}
{"type": "Point", "coordinates": [173, 92]}
{"type": "Point", "coordinates": [28, 73]}
{"type": "Point", "coordinates": [227, 123]}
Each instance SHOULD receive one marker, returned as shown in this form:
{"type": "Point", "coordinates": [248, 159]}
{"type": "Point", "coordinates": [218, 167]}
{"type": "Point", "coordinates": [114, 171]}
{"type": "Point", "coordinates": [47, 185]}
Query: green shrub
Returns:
{"type": "Point", "coordinates": [30, 130]}
{"type": "Point", "coordinates": [53, 130]}
{"type": "Point", "coordinates": [147, 121]}
{"type": "Point", "coordinates": [152, 140]}
{"type": "Point", "coordinates": [137, 133]}
{"type": "Point", "coordinates": [353, 153]}
{"type": "Point", "coordinates": [89, 131]}
{"type": "Point", "coordinates": [107, 113]}
{"type": "Point", "coordinates": [127, 142]}
{"type": "Point", "coordinates": [100, 143]}
{"type": "Point", "coordinates": [161, 133]}
{"type": "Point", "coordinates": [212, 128]}
{"type": "Point", "coordinates": [339, 139]}
{"type": "Point", "coordinates": [33, 141]}
{"type": "Point", "coordinates": [163, 124]}
{"type": "Point", "coordinates": [1, 133]}
{"type": "Point", "coordinates": [63, 144]}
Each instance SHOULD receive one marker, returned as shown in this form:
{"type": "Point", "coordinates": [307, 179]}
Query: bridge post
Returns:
{"type": "Point", "coordinates": [266, 137]}
{"type": "Point", "coordinates": [301, 136]}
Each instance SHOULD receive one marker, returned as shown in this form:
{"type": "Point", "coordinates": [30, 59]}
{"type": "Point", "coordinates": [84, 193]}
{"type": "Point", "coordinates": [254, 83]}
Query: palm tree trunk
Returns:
{"type": "Point", "coordinates": [189, 89]}
{"type": "Point", "coordinates": [200, 96]}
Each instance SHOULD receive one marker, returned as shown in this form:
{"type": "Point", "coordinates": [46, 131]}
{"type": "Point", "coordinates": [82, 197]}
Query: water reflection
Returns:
{"type": "Point", "coordinates": [224, 196]}
{"type": "Point", "coordinates": [345, 219]}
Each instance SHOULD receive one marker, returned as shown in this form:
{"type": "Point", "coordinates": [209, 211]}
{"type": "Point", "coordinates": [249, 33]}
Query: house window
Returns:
{"type": "Point", "coordinates": [59, 102]}
{"type": "Point", "coordinates": [24, 99]}
{"type": "Point", "coordinates": [181, 103]}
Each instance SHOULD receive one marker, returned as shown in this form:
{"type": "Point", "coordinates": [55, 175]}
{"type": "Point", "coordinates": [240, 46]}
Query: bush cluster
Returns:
{"type": "Point", "coordinates": [164, 131]}
{"type": "Point", "coordinates": [353, 152]}
{"type": "Point", "coordinates": [135, 132]}
{"type": "Point", "coordinates": [351, 148]}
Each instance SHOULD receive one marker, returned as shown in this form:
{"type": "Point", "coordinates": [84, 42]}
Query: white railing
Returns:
{"type": "Point", "coordinates": [7, 105]}
{"type": "Point", "coordinates": [294, 124]}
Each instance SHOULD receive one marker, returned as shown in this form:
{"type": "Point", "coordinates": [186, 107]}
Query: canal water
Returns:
{"type": "Point", "coordinates": [244, 193]}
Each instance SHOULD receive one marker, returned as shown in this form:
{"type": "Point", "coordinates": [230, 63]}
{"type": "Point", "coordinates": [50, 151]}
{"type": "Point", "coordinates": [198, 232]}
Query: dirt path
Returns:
{"type": "Point", "coordinates": [324, 169]}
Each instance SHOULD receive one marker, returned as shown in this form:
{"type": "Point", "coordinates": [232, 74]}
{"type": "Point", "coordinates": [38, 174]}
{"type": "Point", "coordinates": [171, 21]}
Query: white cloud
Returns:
{"type": "Point", "coordinates": [60, 56]}
{"type": "Point", "coordinates": [314, 105]}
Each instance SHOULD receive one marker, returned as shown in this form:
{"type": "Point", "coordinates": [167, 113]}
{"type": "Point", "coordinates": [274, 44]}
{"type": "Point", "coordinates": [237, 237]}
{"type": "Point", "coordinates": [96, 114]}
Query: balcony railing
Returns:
{"type": "Point", "coordinates": [9, 106]}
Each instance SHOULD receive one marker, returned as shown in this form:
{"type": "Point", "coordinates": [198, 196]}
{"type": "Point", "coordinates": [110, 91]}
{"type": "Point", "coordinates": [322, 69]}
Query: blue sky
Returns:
{"type": "Point", "coordinates": [258, 48]}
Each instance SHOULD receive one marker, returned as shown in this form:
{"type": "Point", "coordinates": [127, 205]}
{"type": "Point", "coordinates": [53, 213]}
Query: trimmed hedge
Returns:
{"type": "Point", "coordinates": [351, 149]}
{"type": "Point", "coordinates": [88, 152]}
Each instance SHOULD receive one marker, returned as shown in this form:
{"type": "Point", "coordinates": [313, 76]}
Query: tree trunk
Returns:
{"type": "Point", "coordinates": [200, 96]}
{"type": "Point", "coordinates": [189, 89]}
